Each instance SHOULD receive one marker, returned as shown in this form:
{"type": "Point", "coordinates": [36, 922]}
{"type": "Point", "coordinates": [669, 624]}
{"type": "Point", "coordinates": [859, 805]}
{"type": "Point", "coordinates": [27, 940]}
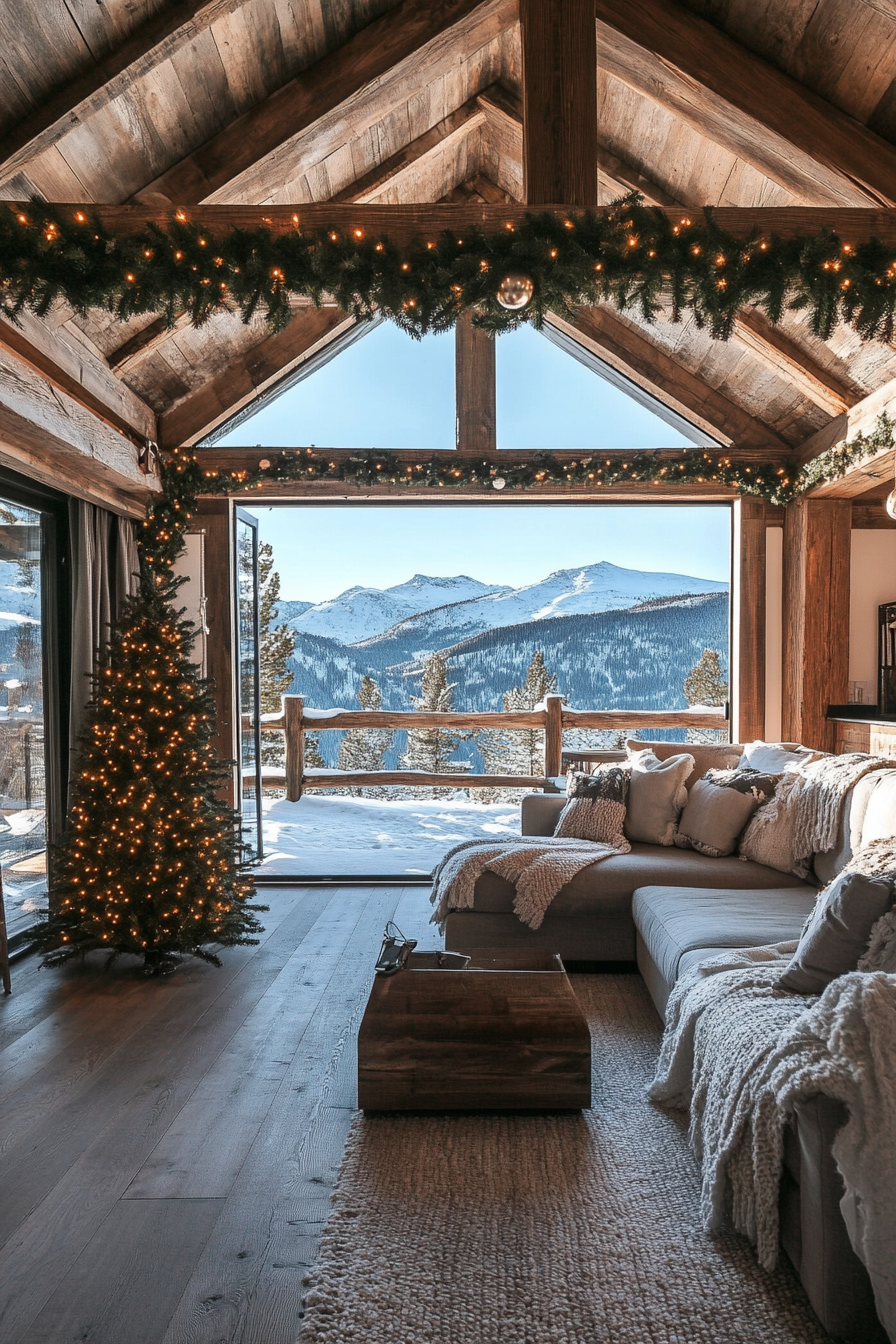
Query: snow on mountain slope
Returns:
{"type": "Point", "coordinates": [363, 613]}
{"type": "Point", "coordinates": [566, 592]}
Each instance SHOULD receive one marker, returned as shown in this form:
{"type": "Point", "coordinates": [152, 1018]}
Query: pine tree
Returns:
{"type": "Point", "coordinates": [148, 863]}
{"type": "Point", "coordinates": [706, 684]}
{"type": "Point", "coordinates": [519, 751]}
{"type": "Point", "coordinates": [276, 646]}
{"type": "Point", "coordinates": [363, 750]}
{"type": "Point", "coordinates": [431, 749]}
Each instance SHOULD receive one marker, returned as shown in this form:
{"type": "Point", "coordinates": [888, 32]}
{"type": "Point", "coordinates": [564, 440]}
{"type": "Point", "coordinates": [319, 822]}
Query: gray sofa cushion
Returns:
{"type": "Point", "coordinates": [607, 886]}
{"type": "Point", "coordinates": [676, 920]}
{"type": "Point", "coordinates": [838, 932]}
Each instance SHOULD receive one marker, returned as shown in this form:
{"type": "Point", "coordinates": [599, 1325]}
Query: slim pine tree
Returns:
{"type": "Point", "coordinates": [431, 749]}
{"type": "Point", "coordinates": [519, 751]}
{"type": "Point", "coordinates": [363, 750]}
{"type": "Point", "coordinates": [706, 684]}
{"type": "Point", "coordinates": [276, 646]}
{"type": "Point", "coordinates": [149, 861]}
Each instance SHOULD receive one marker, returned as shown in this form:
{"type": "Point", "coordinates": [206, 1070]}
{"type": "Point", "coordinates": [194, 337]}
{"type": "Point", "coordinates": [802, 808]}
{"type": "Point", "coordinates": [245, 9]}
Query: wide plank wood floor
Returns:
{"type": "Point", "coordinates": [168, 1147]}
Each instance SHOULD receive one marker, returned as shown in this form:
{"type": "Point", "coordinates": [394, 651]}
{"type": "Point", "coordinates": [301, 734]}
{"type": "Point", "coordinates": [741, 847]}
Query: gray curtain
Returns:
{"type": "Point", "coordinates": [104, 573]}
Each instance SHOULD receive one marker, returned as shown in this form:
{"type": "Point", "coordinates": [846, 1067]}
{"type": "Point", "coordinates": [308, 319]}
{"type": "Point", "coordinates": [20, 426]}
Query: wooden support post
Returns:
{"type": "Point", "coordinates": [747, 692]}
{"type": "Point", "coordinates": [816, 617]}
{"type": "Point", "coordinates": [559, 46]}
{"type": "Point", "coordinates": [474, 389]}
{"type": "Point", "coordinates": [553, 735]}
{"type": "Point", "coordinates": [294, 733]}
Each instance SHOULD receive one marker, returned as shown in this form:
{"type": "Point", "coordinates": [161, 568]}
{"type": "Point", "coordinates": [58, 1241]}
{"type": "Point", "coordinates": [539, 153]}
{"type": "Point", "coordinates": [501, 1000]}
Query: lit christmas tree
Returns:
{"type": "Point", "coordinates": [148, 864]}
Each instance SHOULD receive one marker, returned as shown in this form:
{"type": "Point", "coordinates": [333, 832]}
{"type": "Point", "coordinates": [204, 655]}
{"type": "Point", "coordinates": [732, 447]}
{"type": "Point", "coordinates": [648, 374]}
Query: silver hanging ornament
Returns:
{"type": "Point", "coordinates": [498, 482]}
{"type": "Point", "coordinates": [515, 290]}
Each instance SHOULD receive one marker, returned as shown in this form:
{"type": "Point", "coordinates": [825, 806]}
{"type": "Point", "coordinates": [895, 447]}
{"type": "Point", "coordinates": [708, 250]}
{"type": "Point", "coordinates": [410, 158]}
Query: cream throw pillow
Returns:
{"type": "Point", "coordinates": [656, 796]}
{"type": "Point", "coordinates": [769, 837]}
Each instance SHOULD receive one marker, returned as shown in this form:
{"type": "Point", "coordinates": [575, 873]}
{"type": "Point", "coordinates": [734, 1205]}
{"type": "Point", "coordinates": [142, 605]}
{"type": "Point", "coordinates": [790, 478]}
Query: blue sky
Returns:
{"type": "Point", "coordinates": [321, 550]}
{"type": "Point", "coordinates": [389, 391]}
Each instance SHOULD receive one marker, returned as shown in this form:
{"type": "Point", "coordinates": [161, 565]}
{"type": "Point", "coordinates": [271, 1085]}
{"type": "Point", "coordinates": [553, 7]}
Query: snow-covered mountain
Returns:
{"type": "Point", "coordinates": [566, 592]}
{"type": "Point", "coordinates": [363, 613]}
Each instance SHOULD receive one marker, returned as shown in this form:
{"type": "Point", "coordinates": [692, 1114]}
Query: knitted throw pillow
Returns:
{"type": "Point", "coordinates": [719, 807]}
{"type": "Point", "coordinates": [596, 807]}
{"type": "Point", "coordinates": [768, 838]}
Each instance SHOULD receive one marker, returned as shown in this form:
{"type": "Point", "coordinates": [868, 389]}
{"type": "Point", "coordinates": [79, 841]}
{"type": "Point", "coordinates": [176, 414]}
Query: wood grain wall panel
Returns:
{"type": "Point", "coordinates": [816, 617]}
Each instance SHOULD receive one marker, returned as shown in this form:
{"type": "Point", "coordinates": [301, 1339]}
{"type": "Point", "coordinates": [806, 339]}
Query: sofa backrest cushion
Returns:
{"type": "Point", "coordinates": [773, 758]}
{"type": "Point", "coordinates": [879, 820]}
{"type": "Point", "coordinates": [851, 835]}
{"type": "Point", "coordinates": [707, 755]}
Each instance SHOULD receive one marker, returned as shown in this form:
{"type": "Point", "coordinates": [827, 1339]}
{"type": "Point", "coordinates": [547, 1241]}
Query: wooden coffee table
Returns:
{"type": "Point", "coordinates": [506, 1033]}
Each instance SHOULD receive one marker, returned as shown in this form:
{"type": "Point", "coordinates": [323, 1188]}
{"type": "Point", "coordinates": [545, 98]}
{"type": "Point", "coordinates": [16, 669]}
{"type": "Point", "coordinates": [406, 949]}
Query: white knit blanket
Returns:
{"type": "Point", "coordinates": [740, 1053]}
{"type": "Point", "coordinates": [818, 801]}
{"type": "Point", "coordinates": [538, 868]}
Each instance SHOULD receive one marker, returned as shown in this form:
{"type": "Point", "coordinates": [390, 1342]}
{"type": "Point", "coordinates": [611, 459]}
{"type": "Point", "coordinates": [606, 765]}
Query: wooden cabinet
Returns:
{"type": "Point", "coordinates": [855, 735]}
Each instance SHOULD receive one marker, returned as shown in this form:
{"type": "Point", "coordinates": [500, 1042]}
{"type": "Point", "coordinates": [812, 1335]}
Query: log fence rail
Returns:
{"type": "Point", "coordinates": [294, 721]}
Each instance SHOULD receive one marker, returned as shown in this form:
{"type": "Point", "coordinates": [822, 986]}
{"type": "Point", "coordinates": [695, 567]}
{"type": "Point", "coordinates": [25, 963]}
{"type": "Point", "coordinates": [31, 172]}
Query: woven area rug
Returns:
{"type": "Point", "coordinates": [565, 1229]}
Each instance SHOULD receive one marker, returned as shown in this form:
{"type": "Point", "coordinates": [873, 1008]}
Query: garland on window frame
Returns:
{"type": "Point", "coordinates": [632, 255]}
{"type": "Point", "coordinates": [184, 477]}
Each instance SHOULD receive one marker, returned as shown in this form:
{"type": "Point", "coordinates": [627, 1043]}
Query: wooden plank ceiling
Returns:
{"type": "Point", "coordinates": [698, 102]}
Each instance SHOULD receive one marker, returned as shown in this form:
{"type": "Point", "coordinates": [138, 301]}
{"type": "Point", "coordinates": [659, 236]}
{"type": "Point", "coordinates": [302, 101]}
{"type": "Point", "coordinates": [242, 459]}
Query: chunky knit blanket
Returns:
{"type": "Point", "coordinates": [819, 801]}
{"type": "Point", "coordinates": [537, 867]}
{"type": "Point", "coordinates": [740, 1053]}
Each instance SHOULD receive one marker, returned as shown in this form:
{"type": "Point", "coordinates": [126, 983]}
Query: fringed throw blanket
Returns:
{"type": "Point", "coordinates": [537, 867]}
{"type": "Point", "coordinates": [819, 800]}
{"type": "Point", "coordinates": [740, 1052]}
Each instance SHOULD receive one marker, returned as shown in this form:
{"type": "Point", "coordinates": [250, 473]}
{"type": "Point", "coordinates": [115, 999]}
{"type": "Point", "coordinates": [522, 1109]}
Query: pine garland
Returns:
{"type": "Point", "coordinates": [779, 485]}
{"type": "Point", "coordinates": [632, 255]}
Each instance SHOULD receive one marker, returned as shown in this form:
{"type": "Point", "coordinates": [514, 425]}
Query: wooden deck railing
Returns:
{"type": "Point", "coordinates": [294, 721]}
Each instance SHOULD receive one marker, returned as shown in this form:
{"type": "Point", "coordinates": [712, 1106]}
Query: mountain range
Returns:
{"type": "Point", "coordinates": [429, 613]}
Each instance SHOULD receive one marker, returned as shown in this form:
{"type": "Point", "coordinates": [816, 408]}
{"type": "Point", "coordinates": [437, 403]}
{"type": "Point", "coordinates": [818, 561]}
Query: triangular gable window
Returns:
{"type": "Point", "coordinates": [376, 387]}
{"type": "Point", "coordinates": [552, 393]}
{"type": "Point", "coordinates": [383, 390]}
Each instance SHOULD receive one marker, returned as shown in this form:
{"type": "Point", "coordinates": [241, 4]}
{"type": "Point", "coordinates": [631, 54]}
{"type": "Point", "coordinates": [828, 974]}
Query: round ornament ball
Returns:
{"type": "Point", "coordinates": [515, 290]}
{"type": "Point", "coordinates": [891, 504]}
{"type": "Point", "coordinates": [498, 482]}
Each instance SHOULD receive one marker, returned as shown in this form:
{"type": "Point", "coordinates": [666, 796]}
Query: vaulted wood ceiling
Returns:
{"type": "Point", "coordinates": [718, 102]}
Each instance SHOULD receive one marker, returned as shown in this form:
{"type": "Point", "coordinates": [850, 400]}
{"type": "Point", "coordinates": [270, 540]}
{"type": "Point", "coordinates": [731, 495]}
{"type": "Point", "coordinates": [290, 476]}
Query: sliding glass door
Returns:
{"type": "Point", "coordinates": [31, 802]}
{"type": "Point", "coordinates": [248, 682]}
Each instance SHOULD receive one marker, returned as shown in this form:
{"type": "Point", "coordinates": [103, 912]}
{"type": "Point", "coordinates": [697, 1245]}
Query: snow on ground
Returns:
{"type": "Point", "coordinates": [344, 835]}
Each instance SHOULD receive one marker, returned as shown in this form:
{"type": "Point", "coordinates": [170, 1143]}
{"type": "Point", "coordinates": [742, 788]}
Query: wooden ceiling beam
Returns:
{"type": "Point", "coordinates": [874, 471]}
{"type": "Point", "coordinates": [629, 350]}
{"type": "Point", "coordinates": [73, 371]}
{"type": "Point", "coordinates": [559, 102]}
{"type": "Point", "coordinates": [404, 164]}
{"type": "Point", "coordinates": [751, 329]}
{"type": "Point", "coordinates": [250, 374]}
{"type": "Point", "coordinates": [392, 41]}
{"type": "Point", "coordinates": [54, 438]}
{"type": "Point", "coordinates": [155, 41]}
{"type": "Point", "coordinates": [404, 223]}
{"type": "Point", "coordinates": [735, 98]}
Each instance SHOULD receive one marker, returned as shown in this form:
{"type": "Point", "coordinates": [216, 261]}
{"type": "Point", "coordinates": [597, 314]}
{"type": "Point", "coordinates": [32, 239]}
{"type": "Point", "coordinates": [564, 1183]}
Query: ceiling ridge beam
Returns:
{"type": "Point", "coordinates": [155, 41]}
{"type": "Point", "coordinates": [383, 48]}
{"type": "Point", "coordinates": [735, 98]}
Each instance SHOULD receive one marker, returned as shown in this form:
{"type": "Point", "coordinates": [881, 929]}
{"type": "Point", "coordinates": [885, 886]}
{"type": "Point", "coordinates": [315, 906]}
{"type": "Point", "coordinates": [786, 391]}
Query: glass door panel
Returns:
{"type": "Point", "coordinates": [23, 774]}
{"type": "Point", "coordinates": [248, 683]}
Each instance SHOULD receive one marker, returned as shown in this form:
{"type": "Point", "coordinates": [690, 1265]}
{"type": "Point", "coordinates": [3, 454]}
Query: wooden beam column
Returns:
{"type": "Point", "coordinates": [747, 692]}
{"type": "Point", "coordinates": [474, 389]}
{"type": "Point", "coordinates": [559, 102]}
{"type": "Point", "coordinates": [816, 617]}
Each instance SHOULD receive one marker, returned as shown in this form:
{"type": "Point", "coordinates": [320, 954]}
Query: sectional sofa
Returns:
{"type": "Point", "coordinates": [670, 908]}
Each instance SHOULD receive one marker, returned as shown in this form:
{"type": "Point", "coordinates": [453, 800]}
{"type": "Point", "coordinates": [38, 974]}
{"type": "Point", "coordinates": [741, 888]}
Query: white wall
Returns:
{"type": "Point", "coordinates": [872, 582]}
{"type": "Point", "coordinates": [774, 641]}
